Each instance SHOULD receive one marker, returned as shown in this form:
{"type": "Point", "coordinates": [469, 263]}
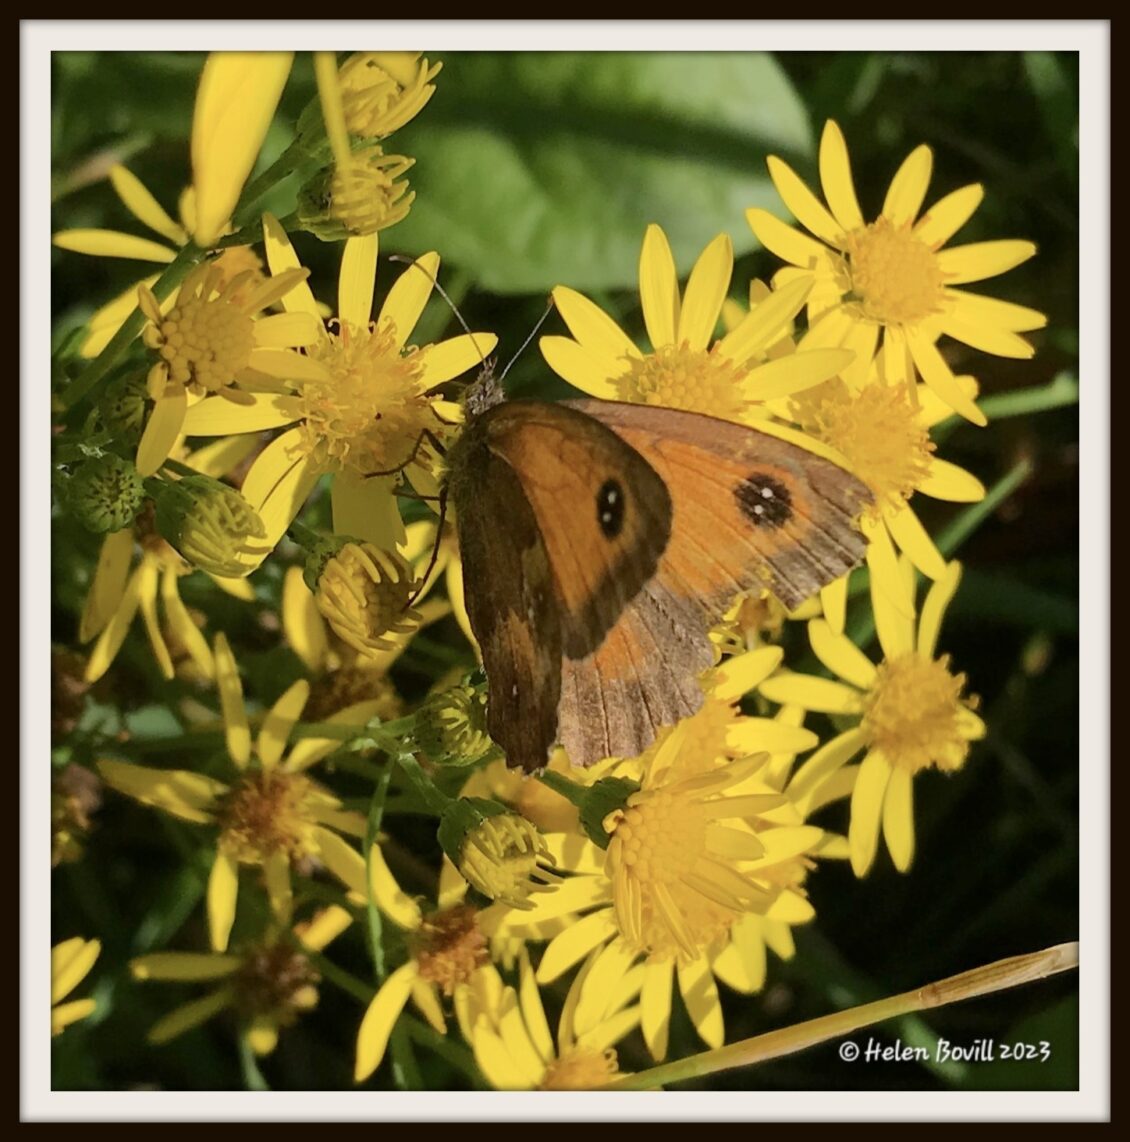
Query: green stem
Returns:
{"type": "Point", "coordinates": [960, 529]}
{"type": "Point", "coordinates": [1062, 390]}
{"type": "Point", "coordinates": [570, 790]}
{"type": "Point", "coordinates": [252, 1076]}
{"type": "Point", "coordinates": [435, 799]}
{"type": "Point", "coordinates": [984, 980]}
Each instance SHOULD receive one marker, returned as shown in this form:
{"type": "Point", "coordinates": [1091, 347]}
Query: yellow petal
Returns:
{"type": "Point", "coordinates": [326, 926]}
{"type": "Point", "coordinates": [590, 372]}
{"type": "Point", "coordinates": [280, 721]}
{"type": "Point", "coordinates": [237, 732]}
{"type": "Point", "coordinates": [866, 809]}
{"type": "Point", "coordinates": [367, 509]}
{"type": "Point", "coordinates": [65, 1014]}
{"type": "Point", "coordinates": [276, 874]}
{"type": "Point", "coordinates": [700, 994]}
{"type": "Point", "coordinates": [380, 1018]}
{"type": "Point", "coordinates": [112, 244]}
{"type": "Point", "coordinates": [573, 943]}
{"type": "Point", "coordinates": [820, 694]}
{"type": "Point", "coordinates": [425, 998]}
{"type": "Point", "coordinates": [215, 416]}
{"type": "Point", "coordinates": [794, 373]}
{"type": "Point", "coordinates": [190, 796]}
{"type": "Point", "coordinates": [946, 481]}
{"type": "Point", "coordinates": [185, 967]}
{"type": "Point", "coordinates": [189, 1015]}
{"type": "Point", "coordinates": [825, 762]}
{"type": "Point", "coordinates": [71, 962]}
{"type": "Point", "coordinates": [987, 338]}
{"type": "Point", "coordinates": [147, 575]}
{"type": "Point", "coordinates": [309, 751]}
{"type": "Point", "coordinates": [390, 898]}
{"type": "Point", "coordinates": [593, 328]}
{"type": "Point", "coordinates": [912, 538]}
{"type": "Point", "coordinates": [706, 290]}
{"type": "Point", "coordinates": [235, 104]}
{"type": "Point", "coordinates": [223, 890]}
{"type": "Point", "coordinates": [840, 655]}
{"type": "Point", "coordinates": [357, 281]}
{"type": "Point", "coordinates": [943, 220]}
{"type": "Point", "coordinates": [286, 331]}
{"type": "Point", "coordinates": [182, 624]}
{"type": "Point", "coordinates": [833, 602]}
{"type": "Point", "coordinates": [346, 863]}
{"type": "Point", "coordinates": [655, 1006]}
{"type": "Point", "coordinates": [280, 258]}
{"type": "Point", "coordinates": [980, 260]}
{"type": "Point", "coordinates": [908, 188]}
{"type": "Point", "coordinates": [741, 673]}
{"type": "Point", "coordinates": [262, 1035]}
{"type": "Point", "coordinates": [108, 585]}
{"type": "Point", "coordinates": [114, 633]}
{"type": "Point", "coordinates": [302, 623]}
{"type": "Point", "coordinates": [806, 208]}
{"type": "Point", "coordinates": [533, 1013]}
{"type": "Point", "coordinates": [164, 426]}
{"type": "Point", "coordinates": [898, 818]}
{"type": "Point", "coordinates": [409, 295]}
{"type": "Point", "coordinates": [937, 374]}
{"type": "Point", "coordinates": [767, 322]}
{"type": "Point", "coordinates": [991, 311]}
{"type": "Point", "coordinates": [453, 357]}
{"type": "Point", "coordinates": [279, 483]}
{"type": "Point", "coordinates": [934, 608]}
{"type": "Point", "coordinates": [602, 984]}
{"type": "Point", "coordinates": [659, 288]}
{"type": "Point", "coordinates": [785, 241]}
{"type": "Point", "coordinates": [143, 206]}
{"type": "Point", "coordinates": [835, 178]}
{"type": "Point", "coordinates": [891, 597]}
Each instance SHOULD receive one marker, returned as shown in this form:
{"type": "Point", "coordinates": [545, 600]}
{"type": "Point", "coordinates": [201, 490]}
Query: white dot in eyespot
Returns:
{"type": "Point", "coordinates": [613, 495]}
{"type": "Point", "coordinates": [514, 691]}
{"type": "Point", "coordinates": [766, 493]}
{"type": "Point", "coordinates": [605, 517]}
{"type": "Point", "coordinates": [758, 509]}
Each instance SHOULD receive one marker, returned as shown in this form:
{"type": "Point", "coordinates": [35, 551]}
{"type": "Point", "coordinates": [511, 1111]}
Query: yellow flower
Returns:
{"type": "Point", "coordinates": [448, 950]}
{"type": "Point", "coordinates": [269, 983]}
{"type": "Point", "coordinates": [705, 842]}
{"type": "Point", "coordinates": [271, 816]}
{"type": "Point", "coordinates": [911, 716]}
{"type": "Point", "coordinates": [341, 676]}
{"type": "Point", "coordinates": [687, 368]}
{"type": "Point", "coordinates": [509, 1033]}
{"type": "Point", "coordinates": [213, 339]}
{"type": "Point", "coordinates": [235, 104]}
{"type": "Point", "coordinates": [882, 432]}
{"type": "Point", "coordinates": [381, 91]}
{"type": "Point", "coordinates": [71, 962]}
{"type": "Point", "coordinates": [116, 594]}
{"type": "Point", "coordinates": [891, 277]}
{"type": "Point", "coordinates": [363, 410]}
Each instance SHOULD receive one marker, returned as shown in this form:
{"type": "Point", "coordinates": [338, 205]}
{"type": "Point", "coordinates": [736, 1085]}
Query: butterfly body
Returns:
{"type": "Point", "coordinates": [601, 540]}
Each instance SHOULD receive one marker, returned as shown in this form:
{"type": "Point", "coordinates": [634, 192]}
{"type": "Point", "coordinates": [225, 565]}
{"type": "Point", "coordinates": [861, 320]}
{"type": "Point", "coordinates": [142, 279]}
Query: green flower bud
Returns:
{"type": "Point", "coordinates": [451, 726]}
{"type": "Point", "coordinates": [124, 407]}
{"type": "Point", "coordinates": [105, 493]}
{"type": "Point", "coordinates": [210, 524]}
{"type": "Point", "coordinates": [319, 554]}
{"type": "Point", "coordinates": [497, 852]}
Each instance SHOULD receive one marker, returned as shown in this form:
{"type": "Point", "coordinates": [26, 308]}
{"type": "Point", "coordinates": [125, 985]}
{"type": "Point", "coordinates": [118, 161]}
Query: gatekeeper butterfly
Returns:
{"type": "Point", "coordinates": [601, 540]}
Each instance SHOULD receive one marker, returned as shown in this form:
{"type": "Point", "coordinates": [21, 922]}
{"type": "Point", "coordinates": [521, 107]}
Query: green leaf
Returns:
{"type": "Point", "coordinates": [535, 170]}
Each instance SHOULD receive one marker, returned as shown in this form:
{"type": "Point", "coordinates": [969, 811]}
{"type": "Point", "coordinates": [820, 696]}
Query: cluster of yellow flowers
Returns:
{"type": "Point", "coordinates": [684, 866]}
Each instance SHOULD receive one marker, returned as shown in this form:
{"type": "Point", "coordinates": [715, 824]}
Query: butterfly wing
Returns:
{"type": "Point", "coordinates": [510, 602]}
{"type": "Point", "coordinates": [750, 510]}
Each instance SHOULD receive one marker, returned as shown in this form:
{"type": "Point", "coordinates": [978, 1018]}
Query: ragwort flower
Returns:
{"type": "Point", "coordinates": [892, 278]}
{"type": "Point", "coordinates": [911, 715]}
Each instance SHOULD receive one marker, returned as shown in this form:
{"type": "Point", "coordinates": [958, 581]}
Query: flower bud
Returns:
{"type": "Point", "coordinates": [357, 198]}
{"type": "Point", "coordinates": [451, 726]}
{"type": "Point", "coordinates": [105, 493]}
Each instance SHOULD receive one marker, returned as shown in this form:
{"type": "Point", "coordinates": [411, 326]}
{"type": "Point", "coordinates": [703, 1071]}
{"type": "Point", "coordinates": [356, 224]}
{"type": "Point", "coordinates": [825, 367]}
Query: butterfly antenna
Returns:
{"type": "Point", "coordinates": [446, 297]}
{"type": "Point", "coordinates": [533, 334]}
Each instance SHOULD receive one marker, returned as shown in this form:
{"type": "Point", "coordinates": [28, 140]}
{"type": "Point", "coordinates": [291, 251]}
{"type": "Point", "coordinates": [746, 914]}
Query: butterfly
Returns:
{"type": "Point", "coordinates": [601, 540]}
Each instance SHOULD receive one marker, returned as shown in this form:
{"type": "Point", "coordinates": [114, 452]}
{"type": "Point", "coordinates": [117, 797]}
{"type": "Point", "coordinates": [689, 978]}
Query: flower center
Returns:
{"type": "Point", "coordinates": [678, 377]}
{"type": "Point", "coordinates": [267, 812]}
{"type": "Point", "coordinates": [913, 713]}
{"type": "Point", "coordinates": [878, 431]}
{"type": "Point", "coordinates": [206, 338]}
{"type": "Point", "coordinates": [348, 685]}
{"type": "Point", "coordinates": [369, 413]}
{"type": "Point", "coordinates": [276, 980]}
{"type": "Point", "coordinates": [449, 946]}
{"type": "Point", "coordinates": [580, 1069]}
{"type": "Point", "coordinates": [656, 857]}
{"type": "Point", "coordinates": [895, 276]}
